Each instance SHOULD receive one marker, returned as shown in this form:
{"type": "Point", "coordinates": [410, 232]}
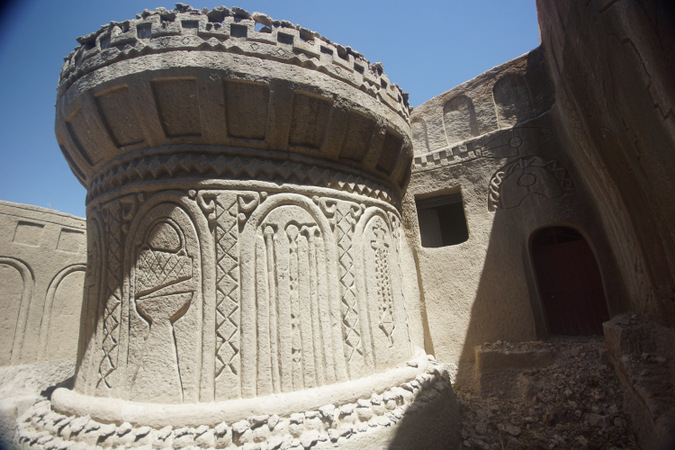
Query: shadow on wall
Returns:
{"type": "Point", "coordinates": [500, 309]}
{"type": "Point", "coordinates": [536, 189]}
{"type": "Point", "coordinates": [432, 420]}
{"type": "Point", "coordinates": [497, 314]}
{"type": "Point", "coordinates": [509, 302]}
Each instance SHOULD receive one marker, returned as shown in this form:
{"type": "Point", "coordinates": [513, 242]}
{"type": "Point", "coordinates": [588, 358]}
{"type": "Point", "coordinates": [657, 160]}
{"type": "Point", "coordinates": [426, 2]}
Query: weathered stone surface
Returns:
{"type": "Point", "coordinates": [504, 164]}
{"type": "Point", "coordinates": [557, 402]}
{"type": "Point", "coordinates": [433, 422]}
{"type": "Point", "coordinates": [244, 232]}
{"type": "Point", "coordinates": [497, 368]}
{"type": "Point", "coordinates": [643, 355]}
{"type": "Point", "coordinates": [254, 235]}
{"type": "Point", "coordinates": [510, 94]}
{"type": "Point", "coordinates": [614, 109]}
{"type": "Point", "coordinates": [116, 97]}
{"type": "Point", "coordinates": [20, 387]}
{"type": "Point", "coordinates": [250, 199]}
{"type": "Point", "coordinates": [42, 265]}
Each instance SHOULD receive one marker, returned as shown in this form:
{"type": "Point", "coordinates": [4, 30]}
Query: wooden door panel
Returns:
{"type": "Point", "coordinates": [569, 281]}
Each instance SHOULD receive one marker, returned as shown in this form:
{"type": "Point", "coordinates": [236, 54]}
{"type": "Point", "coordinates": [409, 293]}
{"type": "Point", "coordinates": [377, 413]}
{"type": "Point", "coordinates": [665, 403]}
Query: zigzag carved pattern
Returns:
{"type": "Point", "coordinates": [111, 319]}
{"type": "Point", "coordinates": [227, 283]}
{"type": "Point", "coordinates": [350, 315]}
{"type": "Point", "coordinates": [238, 168]}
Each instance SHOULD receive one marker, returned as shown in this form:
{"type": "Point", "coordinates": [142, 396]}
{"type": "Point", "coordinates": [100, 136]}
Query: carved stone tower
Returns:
{"type": "Point", "coordinates": [244, 179]}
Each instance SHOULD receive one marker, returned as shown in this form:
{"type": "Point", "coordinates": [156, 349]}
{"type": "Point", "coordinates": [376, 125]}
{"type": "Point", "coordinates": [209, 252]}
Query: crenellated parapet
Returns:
{"type": "Point", "coordinates": [236, 80]}
{"type": "Point", "coordinates": [230, 30]}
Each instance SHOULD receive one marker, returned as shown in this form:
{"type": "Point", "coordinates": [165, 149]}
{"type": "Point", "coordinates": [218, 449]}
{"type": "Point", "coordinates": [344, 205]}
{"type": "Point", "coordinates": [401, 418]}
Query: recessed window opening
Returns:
{"type": "Point", "coordinates": [442, 220]}
{"type": "Point", "coordinates": [569, 281]}
{"type": "Point", "coordinates": [285, 38]}
{"type": "Point", "coordinates": [239, 31]}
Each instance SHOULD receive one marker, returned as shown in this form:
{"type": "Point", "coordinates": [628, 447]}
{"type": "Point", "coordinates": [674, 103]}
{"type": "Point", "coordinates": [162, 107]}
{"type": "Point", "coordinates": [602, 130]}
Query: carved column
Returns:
{"type": "Point", "coordinates": [243, 209]}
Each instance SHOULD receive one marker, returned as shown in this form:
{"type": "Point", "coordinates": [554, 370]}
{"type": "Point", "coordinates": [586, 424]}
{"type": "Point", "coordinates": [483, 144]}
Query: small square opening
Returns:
{"type": "Point", "coordinates": [442, 220]}
{"type": "Point", "coordinates": [238, 31]}
{"type": "Point", "coordinates": [285, 38]}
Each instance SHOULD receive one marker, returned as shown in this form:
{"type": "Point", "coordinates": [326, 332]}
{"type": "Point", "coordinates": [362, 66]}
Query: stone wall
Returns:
{"type": "Point", "coordinates": [612, 65]}
{"type": "Point", "coordinates": [614, 107]}
{"type": "Point", "coordinates": [42, 265]}
{"type": "Point", "coordinates": [577, 134]}
{"type": "Point", "coordinates": [491, 144]}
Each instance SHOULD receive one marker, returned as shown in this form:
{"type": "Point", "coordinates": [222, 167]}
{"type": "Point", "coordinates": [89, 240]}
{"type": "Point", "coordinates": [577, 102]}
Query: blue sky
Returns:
{"type": "Point", "coordinates": [426, 48]}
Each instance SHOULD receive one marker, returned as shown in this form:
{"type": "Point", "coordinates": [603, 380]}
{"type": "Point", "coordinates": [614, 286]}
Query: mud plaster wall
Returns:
{"type": "Point", "coordinates": [612, 64]}
{"type": "Point", "coordinates": [610, 136]}
{"type": "Point", "coordinates": [42, 264]}
{"type": "Point", "coordinates": [479, 139]}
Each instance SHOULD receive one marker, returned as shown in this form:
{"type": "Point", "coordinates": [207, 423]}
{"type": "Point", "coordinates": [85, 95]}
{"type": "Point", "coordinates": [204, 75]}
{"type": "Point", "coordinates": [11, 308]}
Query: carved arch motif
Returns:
{"type": "Point", "coordinates": [460, 121]}
{"type": "Point", "coordinates": [19, 326]}
{"type": "Point", "coordinates": [420, 136]}
{"type": "Point", "coordinates": [513, 100]}
{"type": "Point", "coordinates": [50, 322]}
{"type": "Point", "coordinates": [289, 298]}
{"type": "Point", "coordinates": [380, 290]}
{"type": "Point", "coordinates": [165, 298]}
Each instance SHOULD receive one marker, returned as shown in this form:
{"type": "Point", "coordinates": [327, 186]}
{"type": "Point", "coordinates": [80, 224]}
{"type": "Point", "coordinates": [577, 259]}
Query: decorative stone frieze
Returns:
{"type": "Point", "coordinates": [211, 81]}
{"type": "Point", "coordinates": [244, 229]}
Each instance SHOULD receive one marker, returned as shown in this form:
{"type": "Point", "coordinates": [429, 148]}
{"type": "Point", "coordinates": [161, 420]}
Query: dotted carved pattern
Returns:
{"type": "Point", "coordinates": [110, 329]}
{"type": "Point", "coordinates": [350, 316]}
{"type": "Point", "coordinates": [296, 337]}
{"type": "Point", "coordinates": [227, 286]}
{"type": "Point", "coordinates": [384, 293]}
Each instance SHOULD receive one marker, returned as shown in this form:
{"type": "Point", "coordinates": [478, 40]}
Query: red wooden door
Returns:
{"type": "Point", "coordinates": [569, 282]}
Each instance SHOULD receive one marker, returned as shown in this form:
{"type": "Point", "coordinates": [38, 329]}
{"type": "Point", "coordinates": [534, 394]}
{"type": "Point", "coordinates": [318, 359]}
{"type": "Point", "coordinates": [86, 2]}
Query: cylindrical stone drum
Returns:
{"type": "Point", "coordinates": [244, 178]}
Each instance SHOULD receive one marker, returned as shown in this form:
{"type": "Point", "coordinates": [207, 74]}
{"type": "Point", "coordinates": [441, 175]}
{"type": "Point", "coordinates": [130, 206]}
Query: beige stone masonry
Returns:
{"type": "Point", "coordinates": [42, 265]}
{"type": "Point", "coordinates": [243, 225]}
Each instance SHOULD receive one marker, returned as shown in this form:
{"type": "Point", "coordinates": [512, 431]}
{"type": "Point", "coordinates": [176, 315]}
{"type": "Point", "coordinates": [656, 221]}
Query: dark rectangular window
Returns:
{"type": "Point", "coordinates": [442, 221]}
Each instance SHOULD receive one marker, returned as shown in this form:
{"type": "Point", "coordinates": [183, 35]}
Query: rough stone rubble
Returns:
{"type": "Point", "coordinates": [575, 402]}
{"type": "Point", "coordinates": [329, 425]}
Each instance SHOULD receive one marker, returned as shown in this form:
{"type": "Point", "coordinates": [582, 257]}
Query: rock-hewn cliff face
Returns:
{"type": "Point", "coordinates": [612, 65]}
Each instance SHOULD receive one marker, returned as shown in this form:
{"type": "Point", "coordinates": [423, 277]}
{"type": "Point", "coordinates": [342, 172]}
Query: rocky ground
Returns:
{"type": "Point", "coordinates": [576, 402]}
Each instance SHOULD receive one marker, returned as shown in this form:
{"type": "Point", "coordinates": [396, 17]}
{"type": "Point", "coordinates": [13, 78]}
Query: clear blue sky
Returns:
{"type": "Point", "coordinates": [426, 47]}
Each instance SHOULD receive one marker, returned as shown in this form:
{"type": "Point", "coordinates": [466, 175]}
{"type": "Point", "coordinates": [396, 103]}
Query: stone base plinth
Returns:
{"type": "Point", "coordinates": [403, 406]}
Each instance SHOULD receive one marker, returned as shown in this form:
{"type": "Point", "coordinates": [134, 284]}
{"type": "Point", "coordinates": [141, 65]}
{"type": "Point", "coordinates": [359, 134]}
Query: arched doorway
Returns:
{"type": "Point", "coordinates": [570, 286]}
